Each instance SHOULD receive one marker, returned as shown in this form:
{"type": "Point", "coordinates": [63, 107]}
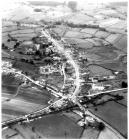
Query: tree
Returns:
{"type": "Point", "coordinates": [37, 10]}
{"type": "Point", "coordinates": [4, 46]}
{"type": "Point", "coordinates": [96, 109]}
{"type": "Point", "coordinates": [118, 97]}
{"type": "Point", "coordinates": [101, 126]}
{"type": "Point", "coordinates": [48, 60]}
{"type": "Point", "coordinates": [72, 5]}
{"type": "Point", "coordinates": [124, 84]}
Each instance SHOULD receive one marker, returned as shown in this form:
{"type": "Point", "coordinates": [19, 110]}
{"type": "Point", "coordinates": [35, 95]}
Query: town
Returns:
{"type": "Point", "coordinates": [58, 67]}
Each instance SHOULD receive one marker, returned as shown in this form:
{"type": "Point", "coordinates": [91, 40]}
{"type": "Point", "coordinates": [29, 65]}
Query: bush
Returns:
{"type": "Point", "coordinates": [101, 126]}
{"type": "Point", "coordinates": [124, 84]}
{"type": "Point", "coordinates": [37, 10]}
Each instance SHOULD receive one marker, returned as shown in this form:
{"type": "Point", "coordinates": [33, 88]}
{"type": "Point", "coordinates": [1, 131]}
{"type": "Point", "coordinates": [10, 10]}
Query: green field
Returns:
{"type": "Point", "coordinates": [114, 114]}
{"type": "Point", "coordinates": [57, 126]}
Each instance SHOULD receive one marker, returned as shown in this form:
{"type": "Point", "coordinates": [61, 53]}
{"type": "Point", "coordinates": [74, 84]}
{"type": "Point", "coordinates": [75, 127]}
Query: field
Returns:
{"type": "Point", "coordinates": [114, 114]}
{"type": "Point", "coordinates": [47, 126]}
{"type": "Point", "coordinates": [98, 70]}
{"type": "Point", "coordinates": [90, 133]}
{"type": "Point", "coordinates": [55, 80]}
{"type": "Point", "coordinates": [27, 100]}
{"type": "Point", "coordinates": [79, 19]}
{"type": "Point", "coordinates": [122, 44]}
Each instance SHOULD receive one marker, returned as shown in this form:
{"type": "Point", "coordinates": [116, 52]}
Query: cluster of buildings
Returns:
{"type": "Point", "coordinates": [48, 69]}
{"type": "Point", "coordinates": [6, 64]}
{"type": "Point", "coordinates": [101, 78]}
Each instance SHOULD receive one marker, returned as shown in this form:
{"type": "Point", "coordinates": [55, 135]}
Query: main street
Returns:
{"type": "Point", "coordinates": [69, 57]}
{"type": "Point", "coordinates": [106, 92]}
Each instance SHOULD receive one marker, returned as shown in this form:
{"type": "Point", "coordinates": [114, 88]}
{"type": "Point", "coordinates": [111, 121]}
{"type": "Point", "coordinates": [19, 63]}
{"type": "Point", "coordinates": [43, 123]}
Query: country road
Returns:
{"type": "Point", "coordinates": [104, 92]}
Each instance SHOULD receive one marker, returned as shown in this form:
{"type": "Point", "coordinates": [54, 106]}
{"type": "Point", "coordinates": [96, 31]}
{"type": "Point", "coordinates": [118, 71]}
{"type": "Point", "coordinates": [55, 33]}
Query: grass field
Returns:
{"type": "Point", "coordinates": [98, 70]}
{"type": "Point", "coordinates": [90, 133]}
{"type": "Point", "coordinates": [102, 34]}
{"type": "Point", "coordinates": [89, 30]}
{"type": "Point", "coordinates": [114, 114]}
{"type": "Point", "coordinates": [57, 126]}
{"type": "Point", "coordinates": [122, 44]}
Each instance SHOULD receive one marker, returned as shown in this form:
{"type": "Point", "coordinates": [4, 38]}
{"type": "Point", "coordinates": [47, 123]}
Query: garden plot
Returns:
{"type": "Point", "coordinates": [37, 29]}
{"type": "Point", "coordinates": [30, 35]}
{"type": "Point", "coordinates": [83, 43]}
{"type": "Point", "coordinates": [93, 57]}
{"type": "Point", "coordinates": [105, 53]}
{"type": "Point", "coordinates": [116, 30]}
{"type": "Point", "coordinates": [73, 116]}
{"type": "Point", "coordinates": [9, 29]}
{"type": "Point", "coordinates": [4, 39]}
{"type": "Point", "coordinates": [70, 41]}
{"type": "Point", "coordinates": [99, 16]}
{"type": "Point", "coordinates": [122, 44]}
{"type": "Point", "coordinates": [98, 70]}
{"type": "Point", "coordinates": [5, 35]}
{"type": "Point", "coordinates": [107, 133]}
{"type": "Point", "coordinates": [96, 41]}
{"type": "Point", "coordinates": [113, 38]}
{"type": "Point", "coordinates": [89, 30]}
{"type": "Point", "coordinates": [80, 19]}
{"type": "Point", "coordinates": [102, 34]}
{"type": "Point", "coordinates": [120, 25]}
{"type": "Point", "coordinates": [115, 66]}
{"type": "Point", "coordinates": [107, 11]}
{"type": "Point", "coordinates": [24, 38]}
{"type": "Point", "coordinates": [90, 133]}
{"type": "Point", "coordinates": [76, 29]}
{"type": "Point", "coordinates": [59, 31]}
{"type": "Point", "coordinates": [9, 44]}
{"type": "Point", "coordinates": [8, 24]}
{"type": "Point", "coordinates": [74, 34]}
{"type": "Point", "coordinates": [25, 31]}
{"type": "Point", "coordinates": [56, 81]}
{"type": "Point", "coordinates": [108, 22]}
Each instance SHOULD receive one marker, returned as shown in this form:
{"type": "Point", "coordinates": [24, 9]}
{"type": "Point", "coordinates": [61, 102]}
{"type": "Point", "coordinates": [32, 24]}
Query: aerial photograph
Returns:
{"type": "Point", "coordinates": [64, 69]}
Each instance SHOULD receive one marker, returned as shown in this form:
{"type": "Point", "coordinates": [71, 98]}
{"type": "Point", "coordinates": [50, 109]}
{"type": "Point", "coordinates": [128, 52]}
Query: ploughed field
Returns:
{"type": "Point", "coordinates": [27, 100]}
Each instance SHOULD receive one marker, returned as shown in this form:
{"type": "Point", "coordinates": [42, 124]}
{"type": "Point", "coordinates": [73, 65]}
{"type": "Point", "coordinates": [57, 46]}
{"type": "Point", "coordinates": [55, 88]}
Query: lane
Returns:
{"type": "Point", "coordinates": [69, 57]}
{"type": "Point", "coordinates": [105, 92]}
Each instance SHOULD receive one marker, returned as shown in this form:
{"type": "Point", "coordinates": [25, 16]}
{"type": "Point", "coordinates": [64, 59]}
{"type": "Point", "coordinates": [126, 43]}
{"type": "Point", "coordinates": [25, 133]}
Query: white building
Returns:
{"type": "Point", "coordinates": [97, 87]}
{"type": "Point", "coordinates": [48, 69]}
{"type": "Point", "coordinates": [6, 64]}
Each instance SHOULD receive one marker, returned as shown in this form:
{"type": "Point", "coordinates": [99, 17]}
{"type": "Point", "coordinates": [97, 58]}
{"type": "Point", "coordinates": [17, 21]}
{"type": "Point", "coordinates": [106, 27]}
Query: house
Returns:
{"type": "Point", "coordinates": [48, 69]}
{"type": "Point", "coordinates": [97, 87]}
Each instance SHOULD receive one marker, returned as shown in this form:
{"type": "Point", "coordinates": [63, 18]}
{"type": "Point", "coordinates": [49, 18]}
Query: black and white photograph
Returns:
{"type": "Point", "coordinates": [64, 69]}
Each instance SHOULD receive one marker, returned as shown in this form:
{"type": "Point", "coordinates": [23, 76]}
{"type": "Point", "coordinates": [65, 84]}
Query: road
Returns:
{"type": "Point", "coordinates": [69, 57]}
{"type": "Point", "coordinates": [104, 92]}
